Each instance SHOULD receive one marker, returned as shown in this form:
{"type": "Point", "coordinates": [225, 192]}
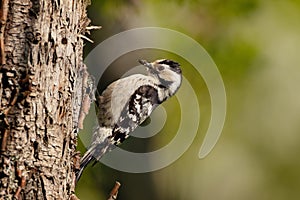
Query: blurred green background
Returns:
{"type": "Point", "coordinates": [255, 44]}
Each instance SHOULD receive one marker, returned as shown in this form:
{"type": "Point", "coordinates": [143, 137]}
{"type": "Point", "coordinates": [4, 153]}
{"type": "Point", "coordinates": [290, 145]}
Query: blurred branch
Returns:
{"type": "Point", "coordinates": [114, 192]}
{"type": "Point", "coordinates": [73, 197]}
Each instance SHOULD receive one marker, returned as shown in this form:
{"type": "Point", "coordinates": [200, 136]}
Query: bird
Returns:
{"type": "Point", "coordinates": [128, 102]}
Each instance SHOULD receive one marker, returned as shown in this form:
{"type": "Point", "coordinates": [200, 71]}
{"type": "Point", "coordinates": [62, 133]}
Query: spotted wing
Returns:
{"type": "Point", "coordinates": [139, 107]}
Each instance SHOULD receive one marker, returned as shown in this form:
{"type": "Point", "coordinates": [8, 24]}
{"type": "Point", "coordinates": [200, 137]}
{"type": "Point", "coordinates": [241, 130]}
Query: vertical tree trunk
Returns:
{"type": "Point", "coordinates": [41, 56]}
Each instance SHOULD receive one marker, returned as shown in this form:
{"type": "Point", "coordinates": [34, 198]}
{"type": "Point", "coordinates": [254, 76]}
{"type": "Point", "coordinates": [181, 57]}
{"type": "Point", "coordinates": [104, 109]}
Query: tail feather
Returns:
{"type": "Point", "coordinates": [95, 152]}
{"type": "Point", "coordinates": [85, 160]}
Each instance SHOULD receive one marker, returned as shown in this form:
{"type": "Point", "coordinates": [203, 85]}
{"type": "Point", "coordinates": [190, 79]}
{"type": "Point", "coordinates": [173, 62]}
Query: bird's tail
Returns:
{"type": "Point", "coordinates": [85, 160]}
{"type": "Point", "coordinates": [95, 152]}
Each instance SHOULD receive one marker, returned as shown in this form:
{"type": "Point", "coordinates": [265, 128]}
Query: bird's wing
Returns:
{"type": "Point", "coordinates": [140, 105]}
{"type": "Point", "coordinates": [111, 103]}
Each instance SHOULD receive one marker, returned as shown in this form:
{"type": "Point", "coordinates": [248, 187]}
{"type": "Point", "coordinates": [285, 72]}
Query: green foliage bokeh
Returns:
{"type": "Point", "coordinates": [255, 46]}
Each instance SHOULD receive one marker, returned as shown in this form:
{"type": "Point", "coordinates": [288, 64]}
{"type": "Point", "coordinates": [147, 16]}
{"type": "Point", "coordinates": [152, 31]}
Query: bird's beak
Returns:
{"type": "Point", "coordinates": [145, 63]}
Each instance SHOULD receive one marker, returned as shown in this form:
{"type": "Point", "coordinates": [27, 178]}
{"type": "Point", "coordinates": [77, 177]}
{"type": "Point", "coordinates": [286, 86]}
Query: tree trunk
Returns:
{"type": "Point", "coordinates": [41, 59]}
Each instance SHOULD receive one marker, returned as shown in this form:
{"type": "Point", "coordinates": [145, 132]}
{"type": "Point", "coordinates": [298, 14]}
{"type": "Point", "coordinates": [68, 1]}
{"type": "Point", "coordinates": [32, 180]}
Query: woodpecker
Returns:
{"type": "Point", "coordinates": [127, 102]}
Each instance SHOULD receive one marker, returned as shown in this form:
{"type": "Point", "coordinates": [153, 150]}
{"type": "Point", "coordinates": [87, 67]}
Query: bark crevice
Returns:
{"type": "Point", "coordinates": [41, 61]}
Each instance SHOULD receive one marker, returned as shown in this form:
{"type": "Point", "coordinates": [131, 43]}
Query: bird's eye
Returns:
{"type": "Point", "coordinates": [160, 68]}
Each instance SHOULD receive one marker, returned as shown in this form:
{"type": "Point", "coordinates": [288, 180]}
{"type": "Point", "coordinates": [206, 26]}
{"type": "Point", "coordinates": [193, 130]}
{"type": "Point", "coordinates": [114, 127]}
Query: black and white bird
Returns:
{"type": "Point", "coordinates": [127, 102]}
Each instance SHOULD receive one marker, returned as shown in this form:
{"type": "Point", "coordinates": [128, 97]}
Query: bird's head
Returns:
{"type": "Point", "coordinates": [166, 72]}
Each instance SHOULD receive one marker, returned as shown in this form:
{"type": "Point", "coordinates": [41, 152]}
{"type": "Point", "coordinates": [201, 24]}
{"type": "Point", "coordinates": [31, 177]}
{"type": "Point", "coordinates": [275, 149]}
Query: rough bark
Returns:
{"type": "Point", "coordinates": [41, 58]}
